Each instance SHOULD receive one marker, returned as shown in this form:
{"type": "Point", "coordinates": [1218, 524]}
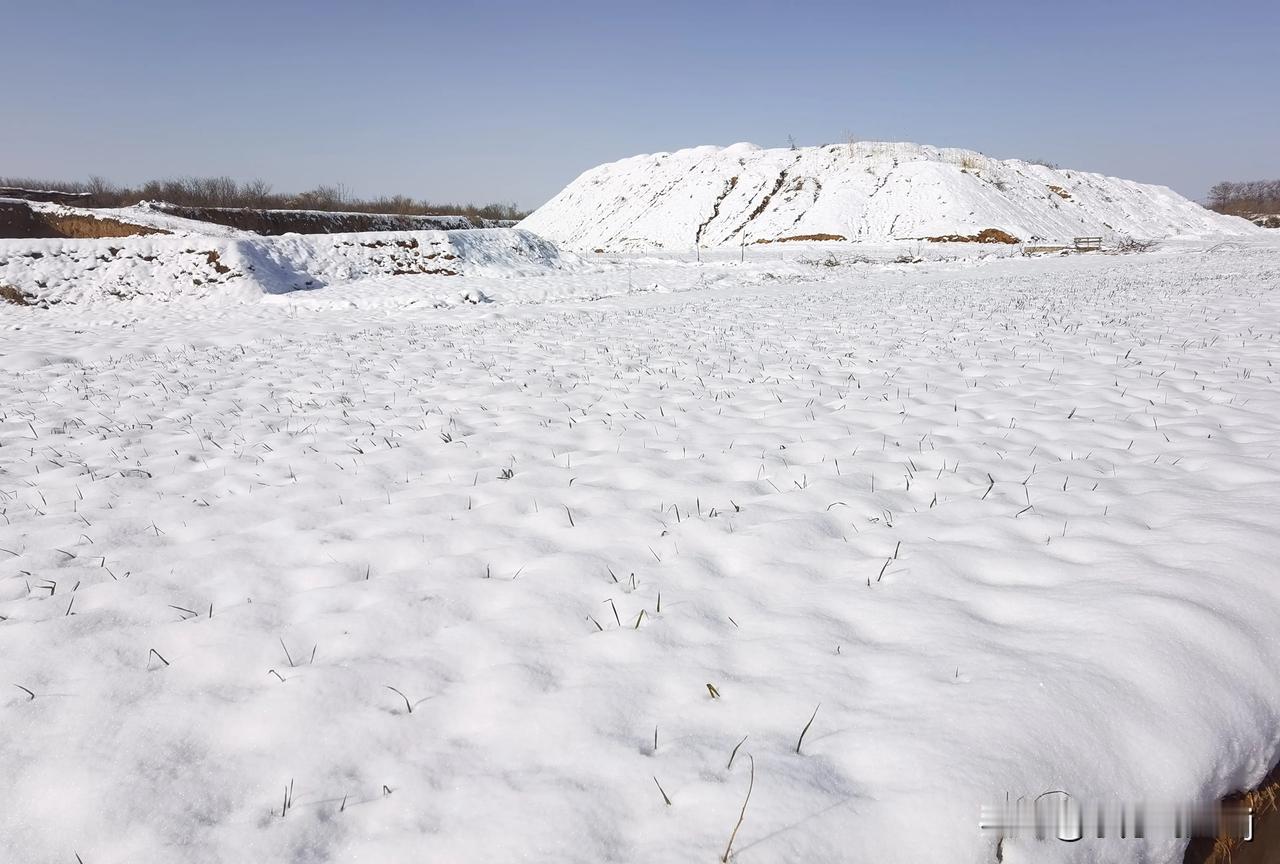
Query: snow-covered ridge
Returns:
{"type": "Point", "coordinates": [276, 222]}
{"type": "Point", "coordinates": [712, 196]}
{"type": "Point", "coordinates": [237, 269]}
{"type": "Point", "coordinates": [251, 222]}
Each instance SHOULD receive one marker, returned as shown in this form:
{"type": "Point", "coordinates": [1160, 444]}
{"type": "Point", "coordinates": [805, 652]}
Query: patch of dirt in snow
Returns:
{"type": "Point", "coordinates": [764, 202]}
{"type": "Point", "coordinates": [1264, 847]}
{"type": "Point", "coordinates": [986, 235]}
{"type": "Point", "coordinates": [9, 294]}
{"type": "Point", "coordinates": [807, 237]}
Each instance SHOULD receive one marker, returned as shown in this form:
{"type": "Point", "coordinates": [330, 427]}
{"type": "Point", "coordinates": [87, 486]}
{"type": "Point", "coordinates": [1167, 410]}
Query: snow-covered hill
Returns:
{"type": "Point", "coordinates": [712, 196]}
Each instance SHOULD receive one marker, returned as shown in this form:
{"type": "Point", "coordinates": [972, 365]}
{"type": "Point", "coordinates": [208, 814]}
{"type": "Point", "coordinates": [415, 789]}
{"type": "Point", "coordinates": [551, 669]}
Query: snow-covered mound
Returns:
{"type": "Point", "coordinates": [712, 196]}
{"type": "Point", "coordinates": [245, 268]}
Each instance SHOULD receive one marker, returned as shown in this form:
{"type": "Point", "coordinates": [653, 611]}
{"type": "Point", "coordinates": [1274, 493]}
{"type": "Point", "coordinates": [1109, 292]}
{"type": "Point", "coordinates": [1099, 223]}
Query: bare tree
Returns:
{"type": "Point", "coordinates": [258, 194]}
{"type": "Point", "coordinates": [1246, 198]}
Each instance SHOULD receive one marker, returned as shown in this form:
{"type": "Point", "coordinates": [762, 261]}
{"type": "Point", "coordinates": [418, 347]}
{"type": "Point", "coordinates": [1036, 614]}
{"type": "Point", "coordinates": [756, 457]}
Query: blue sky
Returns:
{"type": "Point", "coordinates": [505, 101]}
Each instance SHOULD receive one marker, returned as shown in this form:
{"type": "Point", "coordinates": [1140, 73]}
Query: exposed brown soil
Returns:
{"type": "Point", "coordinates": [9, 294]}
{"type": "Point", "coordinates": [715, 209]}
{"type": "Point", "coordinates": [428, 271]}
{"type": "Point", "coordinates": [1264, 848]}
{"type": "Point", "coordinates": [811, 237]}
{"type": "Point", "coordinates": [986, 235]}
{"type": "Point", "coordinates": [271, 223]}
{"type": "Point", "coordinates": [91, 227]}
{"type": "Point", "coordinates": [19, 221]}
{"type": "Point", "coordinates": [410, 243]}
{"type": "Point", "coordinates": [1060, 192]}
{"type": "Point", "coordinates": [215, 261]}
{"type": "Point", "coordinates": [764, 202]}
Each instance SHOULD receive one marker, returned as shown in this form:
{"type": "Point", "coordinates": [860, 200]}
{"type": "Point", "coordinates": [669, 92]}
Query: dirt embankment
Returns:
{"type": "Point", "coordinates": [51, 196]}
{"type": "Point", "coordinates": [986, 235]}
{"type": "Point", "coordinates": [9, 294]}
{"type": "Point", "coordinates": [814, 238]}
{"type": "Point", "coordinates": [18, 221]}
{"type": "Point", "coordinates": [272, 223]}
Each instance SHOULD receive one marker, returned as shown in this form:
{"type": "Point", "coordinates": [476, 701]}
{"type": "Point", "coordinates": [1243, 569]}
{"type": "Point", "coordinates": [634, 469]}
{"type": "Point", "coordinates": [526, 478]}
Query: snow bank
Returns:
{"type": "Point", "coordinates": [238, 269]}
{"type": "Point", "coordinates": [865, 191]}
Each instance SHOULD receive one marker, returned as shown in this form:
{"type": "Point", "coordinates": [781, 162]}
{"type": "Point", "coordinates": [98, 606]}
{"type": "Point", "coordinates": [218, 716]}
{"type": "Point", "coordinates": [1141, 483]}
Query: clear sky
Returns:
{"type": "Point", "coordinates": [509, 101]}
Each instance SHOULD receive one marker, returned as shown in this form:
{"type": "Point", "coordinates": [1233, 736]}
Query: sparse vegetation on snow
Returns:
{"type": "Point", "coordinates": [719, 561]}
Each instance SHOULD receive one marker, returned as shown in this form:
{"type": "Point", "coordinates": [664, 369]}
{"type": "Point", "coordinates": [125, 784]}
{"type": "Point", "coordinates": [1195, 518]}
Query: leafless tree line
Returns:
{"type": "Point", "coordinates": [1246, 198]}
{"type": "Point", "coordinates": [257, 194]}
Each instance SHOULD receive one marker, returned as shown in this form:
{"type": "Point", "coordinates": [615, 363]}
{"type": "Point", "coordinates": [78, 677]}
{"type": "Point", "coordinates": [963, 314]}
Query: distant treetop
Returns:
{"type": "Point", "coordinates": [257, 194]}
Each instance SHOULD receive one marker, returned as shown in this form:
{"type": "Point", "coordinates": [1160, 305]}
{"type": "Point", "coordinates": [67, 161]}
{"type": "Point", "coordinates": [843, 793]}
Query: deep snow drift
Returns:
{"type": "Point", "coordinates": [237, 269]}
{"type": "Point", "coordinates": [1011, 523]}
{"type": "Point", "coordinates": [713, 196]}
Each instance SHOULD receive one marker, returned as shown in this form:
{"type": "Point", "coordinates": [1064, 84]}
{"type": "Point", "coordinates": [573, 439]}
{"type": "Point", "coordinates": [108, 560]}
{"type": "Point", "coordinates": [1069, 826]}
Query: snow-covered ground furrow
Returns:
{"type": "Point", "coordinates": [1011, 527]}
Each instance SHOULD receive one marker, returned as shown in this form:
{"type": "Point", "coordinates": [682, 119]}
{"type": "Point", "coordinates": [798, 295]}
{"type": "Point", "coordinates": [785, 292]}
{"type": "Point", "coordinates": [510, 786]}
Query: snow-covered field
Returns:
{"type": "Point", "coordinates": [1008, 525]}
